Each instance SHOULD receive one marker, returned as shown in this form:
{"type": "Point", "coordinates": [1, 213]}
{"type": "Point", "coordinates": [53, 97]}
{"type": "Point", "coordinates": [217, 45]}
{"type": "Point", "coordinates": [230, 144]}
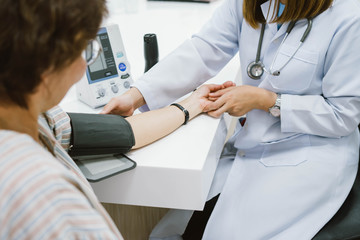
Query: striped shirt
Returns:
{"type": "Point", "coordinates": [43, 194]}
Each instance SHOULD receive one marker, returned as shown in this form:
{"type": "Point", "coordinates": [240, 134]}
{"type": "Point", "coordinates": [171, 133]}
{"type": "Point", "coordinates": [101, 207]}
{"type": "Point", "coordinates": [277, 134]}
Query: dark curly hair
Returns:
{"type": "Point", "coordinates": [42, 35]}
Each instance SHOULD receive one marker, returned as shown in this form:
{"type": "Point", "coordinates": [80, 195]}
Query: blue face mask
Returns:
{"type": "Point", "coordinates": [281, 10]}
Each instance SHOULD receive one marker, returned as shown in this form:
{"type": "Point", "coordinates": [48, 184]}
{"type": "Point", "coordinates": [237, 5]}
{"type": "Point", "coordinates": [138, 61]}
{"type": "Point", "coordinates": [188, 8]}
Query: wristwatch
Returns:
{"type": "Point", "coordinates": [275, 110]}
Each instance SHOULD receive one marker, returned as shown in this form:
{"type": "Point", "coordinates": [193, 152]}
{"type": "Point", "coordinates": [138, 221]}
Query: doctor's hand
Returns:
{"type": "Point", "coordinates": [125, 104]}
{"type": "Point", "coordinates": [238, 100]}
{"type": "Point", "coordinates": [198, 101]}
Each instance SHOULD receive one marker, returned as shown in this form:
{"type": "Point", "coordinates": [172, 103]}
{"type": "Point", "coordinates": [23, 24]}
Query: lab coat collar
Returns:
{"type": "Point", "coordinates": [267, 10]}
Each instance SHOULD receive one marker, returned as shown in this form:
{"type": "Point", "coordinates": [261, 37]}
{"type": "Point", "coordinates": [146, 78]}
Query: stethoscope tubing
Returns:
{"type": "Point", "coordinates": [258, 52]}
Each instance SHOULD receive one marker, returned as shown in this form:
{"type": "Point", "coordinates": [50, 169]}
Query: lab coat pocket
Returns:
{"type": "Point", "coordinates": [297, 74]}
{"type": "Point", "coordinates": [286, 153]}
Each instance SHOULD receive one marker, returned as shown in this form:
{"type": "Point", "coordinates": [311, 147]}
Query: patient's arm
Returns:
{"type": "Point", "coordinates": [153, 125]}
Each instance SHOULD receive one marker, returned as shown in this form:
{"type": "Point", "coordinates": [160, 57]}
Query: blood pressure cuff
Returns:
{"type": "Point", "coordinates": [96, 134]}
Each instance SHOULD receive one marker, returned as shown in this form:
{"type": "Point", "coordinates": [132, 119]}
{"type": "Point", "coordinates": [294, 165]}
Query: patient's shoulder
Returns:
{"type": "Point", "coordinates": [40, 197]}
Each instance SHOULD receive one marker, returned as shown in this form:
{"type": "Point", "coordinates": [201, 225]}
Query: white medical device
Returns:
{"type": "Point", "coordinates": [109, 75]}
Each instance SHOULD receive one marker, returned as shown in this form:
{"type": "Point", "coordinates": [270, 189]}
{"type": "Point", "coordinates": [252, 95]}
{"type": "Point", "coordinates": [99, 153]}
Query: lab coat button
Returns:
{"type": "Point", "coordinates": [241, 153]}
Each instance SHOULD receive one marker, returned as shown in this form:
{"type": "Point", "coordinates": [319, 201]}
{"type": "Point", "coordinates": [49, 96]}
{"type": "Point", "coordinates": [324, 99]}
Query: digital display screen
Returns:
{"type": "Point", "coordinates": [104, 66]}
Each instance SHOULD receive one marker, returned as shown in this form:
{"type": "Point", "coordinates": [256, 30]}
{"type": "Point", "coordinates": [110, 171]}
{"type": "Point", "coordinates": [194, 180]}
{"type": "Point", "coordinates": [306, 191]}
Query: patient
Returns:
{"type": "Point", "coordinates": [43, 193]}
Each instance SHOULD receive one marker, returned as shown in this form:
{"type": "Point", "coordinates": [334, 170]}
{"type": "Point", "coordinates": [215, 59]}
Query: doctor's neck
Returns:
{"type": "Point", "coordinates": [283, 1]}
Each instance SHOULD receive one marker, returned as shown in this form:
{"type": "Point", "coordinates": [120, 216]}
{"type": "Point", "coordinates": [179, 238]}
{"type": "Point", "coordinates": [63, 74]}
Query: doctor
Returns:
{"type": "Point", "coordinates": [294, 159]}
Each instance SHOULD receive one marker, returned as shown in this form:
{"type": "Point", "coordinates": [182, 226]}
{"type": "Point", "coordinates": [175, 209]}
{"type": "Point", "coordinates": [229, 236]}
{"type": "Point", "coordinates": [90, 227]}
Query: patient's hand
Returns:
{"type": "Point", "coordinates": [200, 99]}
{"type": "Point", "coordinates": [214, 95]}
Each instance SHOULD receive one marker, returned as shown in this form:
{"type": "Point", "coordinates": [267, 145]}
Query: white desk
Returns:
{"type": "Point", "coordinates": [176, 171]}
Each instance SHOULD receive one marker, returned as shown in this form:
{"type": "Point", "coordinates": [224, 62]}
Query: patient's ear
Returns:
{"type": "Point", "coordinates": [45, 83]}
{"type": "Point", "coordinates": [47, 75]}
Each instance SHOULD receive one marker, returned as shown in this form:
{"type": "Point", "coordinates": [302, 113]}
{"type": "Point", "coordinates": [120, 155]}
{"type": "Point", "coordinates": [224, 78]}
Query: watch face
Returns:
{"type": "Point", "coordinates": [275, 111]}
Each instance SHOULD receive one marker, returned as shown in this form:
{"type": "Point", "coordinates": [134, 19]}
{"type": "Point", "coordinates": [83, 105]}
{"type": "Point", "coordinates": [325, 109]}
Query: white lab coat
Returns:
{"type": "Point", "coordinates": [289, 175]}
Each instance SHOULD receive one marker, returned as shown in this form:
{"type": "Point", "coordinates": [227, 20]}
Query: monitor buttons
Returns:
{"type": "Point", "coordinates": [122, 67]}
{"type": "Point", "coordinates": [125, 76]}
{"type": "Point", "coordinates": [101, 92]}
{"type": "Point", "coordinates": [126, 84]}
{"type": "Point", "coordinates": [114, 88]}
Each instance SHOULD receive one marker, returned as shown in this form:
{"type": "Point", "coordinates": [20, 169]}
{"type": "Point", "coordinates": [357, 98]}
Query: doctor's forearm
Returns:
{"type": "Point", "coordinates": [266, 99]}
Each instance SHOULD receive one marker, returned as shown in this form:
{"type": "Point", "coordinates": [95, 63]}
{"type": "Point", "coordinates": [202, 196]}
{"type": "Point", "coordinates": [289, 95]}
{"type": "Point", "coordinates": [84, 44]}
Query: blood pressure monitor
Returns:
{"type": "Point", "coordinates": [109, 75]}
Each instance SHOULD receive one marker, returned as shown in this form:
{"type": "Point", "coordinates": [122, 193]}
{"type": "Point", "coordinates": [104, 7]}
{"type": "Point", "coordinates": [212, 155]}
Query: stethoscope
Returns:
{"type": "Point", "coordinates": [256, 69]}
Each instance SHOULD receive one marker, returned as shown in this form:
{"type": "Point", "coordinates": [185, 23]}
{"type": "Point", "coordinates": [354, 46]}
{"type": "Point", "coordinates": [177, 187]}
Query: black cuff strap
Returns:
{"type": "Point", "coordinates": [96, 134]}
{"type": "Point", "coordinates": [184, 111]}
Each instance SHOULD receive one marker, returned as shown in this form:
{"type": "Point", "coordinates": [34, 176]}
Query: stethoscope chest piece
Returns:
{"type": "Point", "coordinates": [255, 70]}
